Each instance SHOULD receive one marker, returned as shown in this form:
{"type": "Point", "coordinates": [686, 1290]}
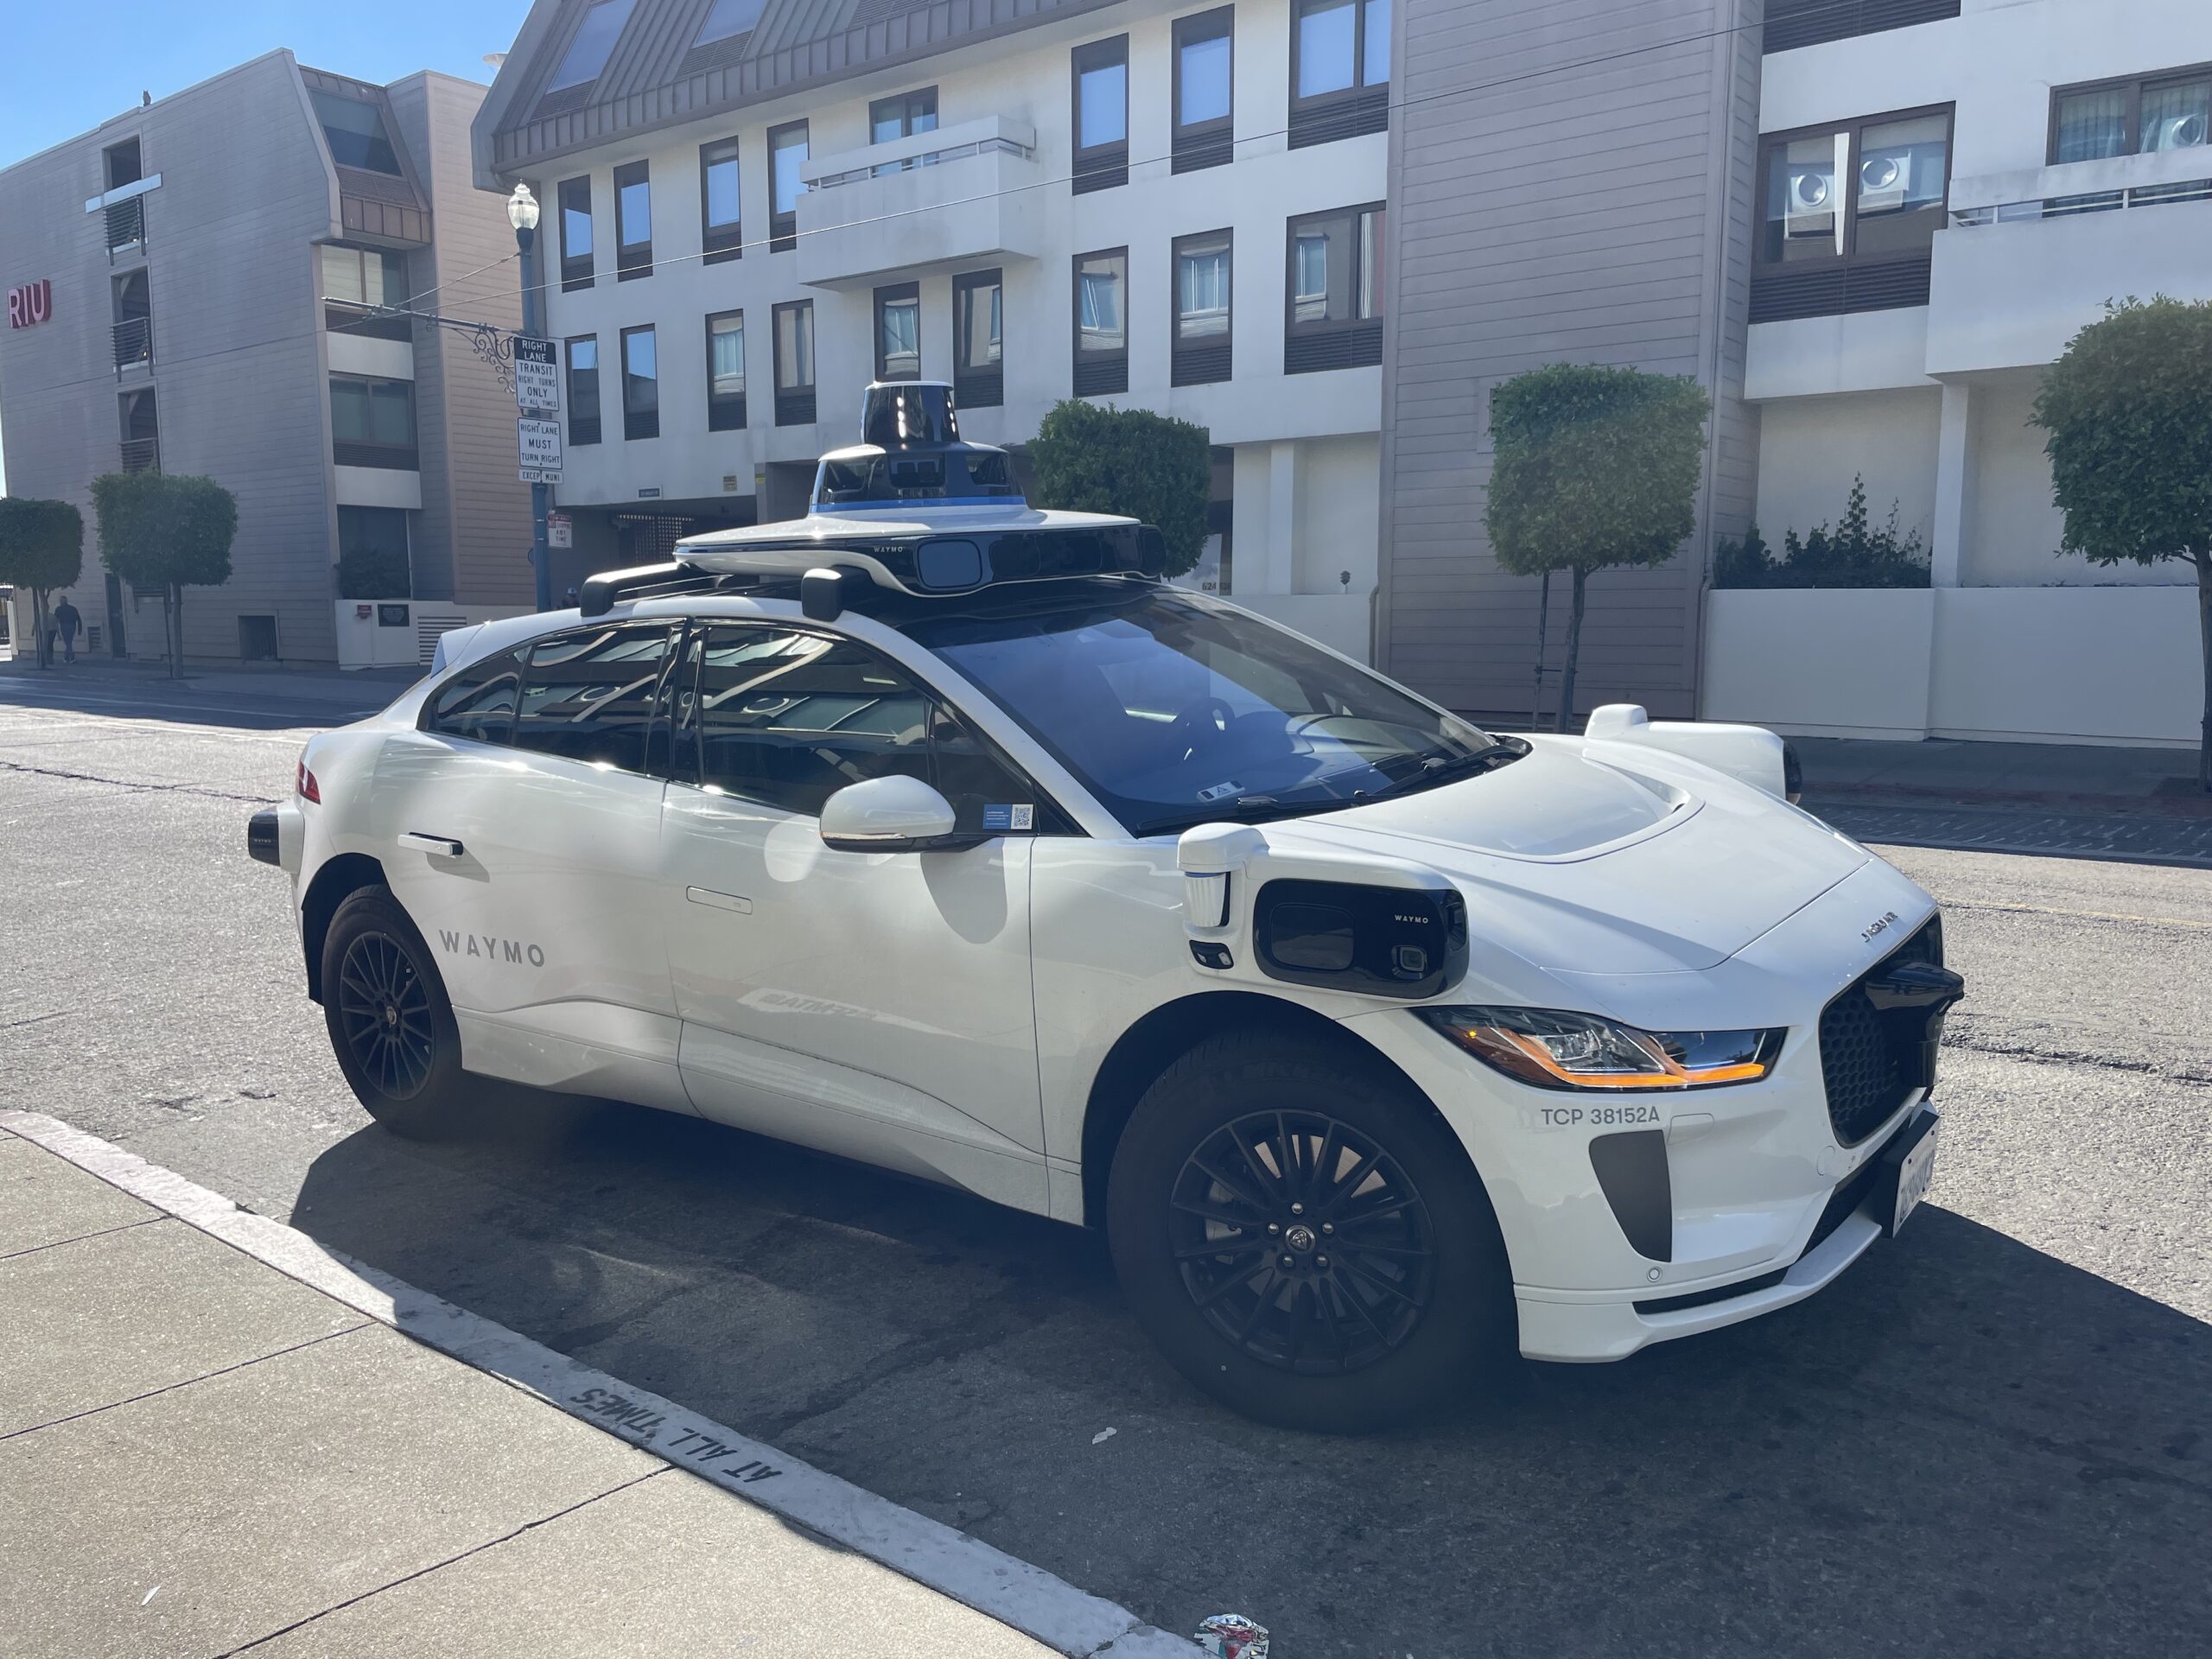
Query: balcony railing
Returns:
{"type": "Point", "coordinates": [134, 343]}
{"type": "Point", "coordinates": [142, 454]}
{"type": "Point", "coordinates": [126, 224]}
{"type": "Point", "coordinates": [960, 196]}
{"type": "Point", "coordinates": [2069, 189]}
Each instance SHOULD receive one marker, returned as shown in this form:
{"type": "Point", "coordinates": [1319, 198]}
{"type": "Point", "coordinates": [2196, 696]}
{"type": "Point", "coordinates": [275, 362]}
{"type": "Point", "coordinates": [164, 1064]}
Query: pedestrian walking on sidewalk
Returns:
{"type": "Point", "coordinates": [66, 621]}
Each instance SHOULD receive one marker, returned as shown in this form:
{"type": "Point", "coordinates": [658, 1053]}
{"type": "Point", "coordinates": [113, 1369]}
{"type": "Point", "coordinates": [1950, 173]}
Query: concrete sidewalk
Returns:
{"type": "Point", "coordinates": [200, 1454]}
{"type": "Point", "coordinates": [2078, 778]}
{"type": "Point", "coordinates": [355, 689]}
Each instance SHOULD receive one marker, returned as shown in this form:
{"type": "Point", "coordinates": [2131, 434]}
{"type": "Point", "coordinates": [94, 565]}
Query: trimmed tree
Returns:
{"type": "Point", "coordinates": [41, 548]}
{"type": "Point", "coordinates": [1595, 466]}
{"type": "Point", "coordinates": [2129, 411]}
{"type": "Point", "coordinates": [159, 531]}
{"type": "Point", "coordinates": [1089, 458]}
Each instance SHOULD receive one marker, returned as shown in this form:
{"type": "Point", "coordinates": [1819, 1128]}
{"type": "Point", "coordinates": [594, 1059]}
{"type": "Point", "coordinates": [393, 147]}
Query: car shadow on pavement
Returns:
{"type": "Point", "coordinates": [1964, 1443]}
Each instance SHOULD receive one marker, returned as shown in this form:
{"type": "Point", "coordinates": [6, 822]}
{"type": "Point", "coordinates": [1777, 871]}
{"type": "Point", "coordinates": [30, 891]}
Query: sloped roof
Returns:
{"type": "Point", "coordinates": [656, 75]}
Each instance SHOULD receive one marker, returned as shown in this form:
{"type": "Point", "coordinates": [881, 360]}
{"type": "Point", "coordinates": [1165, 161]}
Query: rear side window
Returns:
{"type": "Point", "coordinates": [589, 696]}
{"type": "Point", "coordinates": [479, 702]}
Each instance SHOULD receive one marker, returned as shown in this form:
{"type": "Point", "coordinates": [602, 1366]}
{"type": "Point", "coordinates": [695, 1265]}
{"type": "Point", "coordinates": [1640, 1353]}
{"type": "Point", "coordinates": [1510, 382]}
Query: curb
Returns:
{"type": "Point", "coordinates": [1026, 1598]}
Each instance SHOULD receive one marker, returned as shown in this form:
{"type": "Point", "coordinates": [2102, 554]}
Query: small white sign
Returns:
{"type": "Point", "coordinates": [559, 530]}
{"type": "Point", "coordinates": [539, 443]}
{"type": "Point", "coordinates": [537, 375]}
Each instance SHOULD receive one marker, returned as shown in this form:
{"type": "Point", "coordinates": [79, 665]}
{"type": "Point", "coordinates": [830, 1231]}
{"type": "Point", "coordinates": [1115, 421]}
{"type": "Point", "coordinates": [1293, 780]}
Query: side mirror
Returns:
{"type": "Point", "coordinates": [888, 815]}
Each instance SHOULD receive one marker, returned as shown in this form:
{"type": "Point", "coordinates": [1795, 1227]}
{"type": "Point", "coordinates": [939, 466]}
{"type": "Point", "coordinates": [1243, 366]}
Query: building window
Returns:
{"type": "Point", "coordinates": [354, 132]}
{"type": "Point", "coordinates": [356, 281]}
{"type": "Point", "coordinates": [1202, 99]}
{"type": "Point", "coordinates": [2138, 117]}
{"type": "Point", "coordinates": [719, 232]}
{"type": "Point", "coordinates": [1849, 216]}
{"type": "Point", "coordinates": [786, 157]}
{"type": "Point", "coordinates": [1332, 302]}
{"type": "Point", "coordinates": [1339, 70]}
{"type": "Point", "coordinates": [727, 18]}
{"type": "Point", "coordinates": [1199, 351]}
{"type": "Point", "coordinates": [583, 388]}
{"type": "Point", "coordinates": [795, 363]}
{"type": "Point", "coordinates": [634, 222]}
{"type": "Point", "coordinates": [899, 331]}
{"type": "Point", "coordinates": [1101, 114]}
{"type": "Point", "coordinates": [892, 118]}
{"type": "Point", "coordinates": [594, 43]}
{"type": "Point", "coordinates": [131, 307]}
{"type": "Point", "coordinates": [258, 639]}
{"type": "Point", "coordinates": [640, 383]}
{"type": "Point", "coordinates": [373, 554]}
{"type": "Point", "coordinates": [142, 433]}
{"type": "Point", "coordinates": [1793, 23]}
{"type": "Point", "coordinates": [726, 371]}
{"type": "Point", "coordinates": [372, 422]}
{"type": "Point", "coordinates": [576, 233]}
{"type": "Point", "coordinates": [120, 164]}
{"type": "Point", "coordinates": [978, 341]}
{"type": "Point", "coordinates": [1102, 322]}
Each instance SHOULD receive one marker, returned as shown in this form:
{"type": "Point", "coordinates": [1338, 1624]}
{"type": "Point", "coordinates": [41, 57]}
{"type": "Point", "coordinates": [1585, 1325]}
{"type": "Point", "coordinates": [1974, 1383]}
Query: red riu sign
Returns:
{"type": "Point", "coordinates": [32, 302]}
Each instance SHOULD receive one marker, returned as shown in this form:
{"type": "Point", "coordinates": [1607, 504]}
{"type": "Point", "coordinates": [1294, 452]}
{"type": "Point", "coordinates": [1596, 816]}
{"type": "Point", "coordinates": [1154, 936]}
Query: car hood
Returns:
{"type": "Point", "coordinates": [1581, 866]}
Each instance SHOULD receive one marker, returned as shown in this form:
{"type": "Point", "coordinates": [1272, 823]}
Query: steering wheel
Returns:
{"type": "Point", "coordinates": [1201, 725]}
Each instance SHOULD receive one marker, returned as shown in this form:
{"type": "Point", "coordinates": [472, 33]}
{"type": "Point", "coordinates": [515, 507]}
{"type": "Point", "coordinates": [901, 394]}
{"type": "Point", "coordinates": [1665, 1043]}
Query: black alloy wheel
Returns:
{"type": "Point", "coordinates": [391, 1023]}
{"type": "Point", "coordinates": [1303, 1243]}
{"type": "Point", "coordinates": [384, 1010]}
{"type": "Point", "coordinates": [1267, 1227]}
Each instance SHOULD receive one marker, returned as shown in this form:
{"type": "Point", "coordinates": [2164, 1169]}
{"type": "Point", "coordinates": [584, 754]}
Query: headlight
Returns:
{"type": "Point", "coordinates": [1550, 1049]}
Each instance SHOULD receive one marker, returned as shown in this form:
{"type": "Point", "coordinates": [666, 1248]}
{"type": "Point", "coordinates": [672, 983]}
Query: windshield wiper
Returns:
{"type": "Point", "coordinates": [1438, 769]}
{"type": "Point", "coordinates": [1248, 809]}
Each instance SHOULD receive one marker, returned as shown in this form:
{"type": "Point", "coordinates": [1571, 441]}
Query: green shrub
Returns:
{"type": "Point", "coordinates": [1852, 555]}
{"type": "Point", "coordinates": [1090, 458]}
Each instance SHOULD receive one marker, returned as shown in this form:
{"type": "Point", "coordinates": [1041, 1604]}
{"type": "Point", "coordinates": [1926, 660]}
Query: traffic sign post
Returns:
{"type": "Point", "coordinates": [539, 443]}
{"type": "Point", "coordinates": [537, 376]}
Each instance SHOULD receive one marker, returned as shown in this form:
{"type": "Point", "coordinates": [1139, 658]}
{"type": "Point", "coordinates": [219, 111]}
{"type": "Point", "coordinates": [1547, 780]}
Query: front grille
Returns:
{"type": "Point", "coordinates": [1869, 1064]}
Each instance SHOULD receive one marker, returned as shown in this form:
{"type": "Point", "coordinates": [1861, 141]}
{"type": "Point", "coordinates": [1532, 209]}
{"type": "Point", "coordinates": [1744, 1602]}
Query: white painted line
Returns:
{"type": "Point", "coordinates": [1012, 1591]}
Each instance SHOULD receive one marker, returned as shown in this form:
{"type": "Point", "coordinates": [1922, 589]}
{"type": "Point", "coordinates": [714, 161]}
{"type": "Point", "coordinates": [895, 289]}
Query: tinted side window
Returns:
{"type": "Point", "coordinates": [984, 790]}
{"type": "Point", "coordinates": [479, 702]}
{"type": "Point", "coordinates": [784, 719]}
{"type": "Point", "coordinates": [588, 695]}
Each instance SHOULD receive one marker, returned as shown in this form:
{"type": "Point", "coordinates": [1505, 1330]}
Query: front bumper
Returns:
{"type": "Point", "coordinates": [1593, 1326]}
{"type": "Point", "coordinates": [1740, 1183]}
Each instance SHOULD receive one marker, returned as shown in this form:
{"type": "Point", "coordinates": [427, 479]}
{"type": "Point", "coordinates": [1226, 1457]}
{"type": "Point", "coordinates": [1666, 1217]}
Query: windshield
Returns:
{"type": "Point", "coordinates": [1175, 710]}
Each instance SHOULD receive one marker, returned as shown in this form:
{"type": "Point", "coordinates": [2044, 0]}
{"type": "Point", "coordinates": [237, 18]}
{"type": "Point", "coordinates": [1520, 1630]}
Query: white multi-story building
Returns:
{"type": "Point", "coordinates": [1867, 226]}
{"type": "Point", "coordinates": [1942, 207]}
{"type": "Point", "coordinates": [754, 207]}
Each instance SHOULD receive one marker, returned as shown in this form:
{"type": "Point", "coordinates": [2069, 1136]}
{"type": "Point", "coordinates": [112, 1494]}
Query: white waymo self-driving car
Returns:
{"type": "Point", "coordinates": [939, 832]}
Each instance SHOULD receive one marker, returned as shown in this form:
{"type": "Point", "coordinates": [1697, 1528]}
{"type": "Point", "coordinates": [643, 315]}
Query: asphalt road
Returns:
{"type": "Point", "coordinates": [1989, 1438]}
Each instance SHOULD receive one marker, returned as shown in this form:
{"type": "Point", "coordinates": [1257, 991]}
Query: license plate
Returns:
{"type": "Point", "coordinates": [1916, 1168]}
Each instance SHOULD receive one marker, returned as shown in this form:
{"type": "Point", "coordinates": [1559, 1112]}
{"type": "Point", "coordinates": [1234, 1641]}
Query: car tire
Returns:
{"type": "Point", "coordinates": [391, 1022]}
{"type": "Point", "coordinates": [1382, 1296]}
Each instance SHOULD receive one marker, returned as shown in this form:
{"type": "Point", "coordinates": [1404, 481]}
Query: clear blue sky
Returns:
{"type": "Point", "coordinates": [65, 69]}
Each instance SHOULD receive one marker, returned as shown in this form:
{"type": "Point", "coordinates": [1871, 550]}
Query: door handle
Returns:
{"type": "Point", "coordinates": [437, 846]}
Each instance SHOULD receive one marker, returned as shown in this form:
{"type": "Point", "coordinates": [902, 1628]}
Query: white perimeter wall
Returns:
{"type": "Point", "coordinates": [1809, 449]}
{"type": "Point", "coordinates": [2054, 664]}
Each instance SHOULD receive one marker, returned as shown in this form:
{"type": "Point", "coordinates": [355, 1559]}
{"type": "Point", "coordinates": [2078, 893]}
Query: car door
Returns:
{"type": "Point", "coordinates": [876, 1005]}
{"type": "Point", "coordinates": [524, 818]}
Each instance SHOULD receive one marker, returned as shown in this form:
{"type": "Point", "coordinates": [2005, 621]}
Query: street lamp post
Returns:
{"type": "Point", "coordinates": [523, 213]}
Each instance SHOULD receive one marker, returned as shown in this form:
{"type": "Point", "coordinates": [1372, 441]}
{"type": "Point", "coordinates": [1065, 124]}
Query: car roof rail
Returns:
{"type": "Point", "coordinates": [601, 593]}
